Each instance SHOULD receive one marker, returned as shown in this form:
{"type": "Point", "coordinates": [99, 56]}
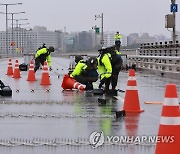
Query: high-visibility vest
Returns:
{"type": "Point", "coordinates": [79, 68]}
{"type": "Point", "coordinates": [104, 66]}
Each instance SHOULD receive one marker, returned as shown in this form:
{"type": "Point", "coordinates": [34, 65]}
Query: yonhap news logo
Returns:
{"type": "Point", "coordinates": [97, 139]}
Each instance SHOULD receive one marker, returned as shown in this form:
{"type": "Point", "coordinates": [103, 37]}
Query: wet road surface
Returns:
{"type": "Point", "coordinates": [51, 121]}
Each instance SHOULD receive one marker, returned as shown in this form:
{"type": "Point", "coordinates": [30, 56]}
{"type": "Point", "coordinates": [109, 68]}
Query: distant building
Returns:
{"type": "Point", "coordinates": [108, 39]}
{"type": "Point", "coordinates": [26, 41]}
{"type": "Point", "coordinates": [85, 41]}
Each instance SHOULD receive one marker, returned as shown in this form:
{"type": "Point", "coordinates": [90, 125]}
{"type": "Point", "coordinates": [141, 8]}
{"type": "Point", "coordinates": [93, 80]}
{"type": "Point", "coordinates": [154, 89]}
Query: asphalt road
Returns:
{"type": "Point", "coordinates": [46, 120]}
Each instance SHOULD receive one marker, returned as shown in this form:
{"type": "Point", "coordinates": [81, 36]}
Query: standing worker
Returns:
{"type": "Point", "coordinates": [117, 39]}
{"type": "Point", "coordinates": [116, 66]}
{"type": "Point", "coordinates": [105, 69]}
{"type": "Point", "coordinates": [41, 56]}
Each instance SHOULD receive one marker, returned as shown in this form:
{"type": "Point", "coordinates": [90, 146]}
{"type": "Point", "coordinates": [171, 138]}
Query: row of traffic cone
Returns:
{"type": "Point", "coordinates": [45, 80]}
{"type": "Point", "coordinates": [170, 117]}
{"type": "Point", "coordinates": [16, 72]}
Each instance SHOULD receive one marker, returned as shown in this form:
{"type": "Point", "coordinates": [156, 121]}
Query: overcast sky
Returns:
{"type": "Point", "coordinates": [125, 16]}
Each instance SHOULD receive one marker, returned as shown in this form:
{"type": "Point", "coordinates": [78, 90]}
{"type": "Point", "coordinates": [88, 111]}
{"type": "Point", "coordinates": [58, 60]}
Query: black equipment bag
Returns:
{"type": "Point", "coordinates": [23, 67]}
{"type": "Point", "coordinates": [5, 90]}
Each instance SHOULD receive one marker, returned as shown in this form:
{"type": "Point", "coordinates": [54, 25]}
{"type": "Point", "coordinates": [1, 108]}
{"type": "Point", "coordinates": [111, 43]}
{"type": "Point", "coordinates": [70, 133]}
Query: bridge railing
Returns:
{"type": "Point", "coordinates": [157, 57]}
{"type": "Point", "coordinates": [159, 63]}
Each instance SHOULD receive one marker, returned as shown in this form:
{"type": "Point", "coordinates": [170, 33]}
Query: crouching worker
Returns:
{"type": "Point", "coordinates": [85, 72]}
{"type": "Point", "coordinates": [41, 56]}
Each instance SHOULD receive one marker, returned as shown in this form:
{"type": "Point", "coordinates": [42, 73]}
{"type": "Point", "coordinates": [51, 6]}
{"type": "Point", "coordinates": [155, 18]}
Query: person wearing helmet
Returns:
{"type": "Point", "coordinates": [104, 68]}
{"type": "Point", "coordinates": [85, 72]}
{"type": "Point", "coordinates": [117, 39]}
{"type": "Point", "coordinates": [41, 56]}
{"type": "Point", "coordinates": [80, 66]}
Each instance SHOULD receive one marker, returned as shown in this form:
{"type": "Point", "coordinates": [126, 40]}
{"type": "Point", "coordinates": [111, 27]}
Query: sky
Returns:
{"type": "Point", "coordinates": [125, 16]}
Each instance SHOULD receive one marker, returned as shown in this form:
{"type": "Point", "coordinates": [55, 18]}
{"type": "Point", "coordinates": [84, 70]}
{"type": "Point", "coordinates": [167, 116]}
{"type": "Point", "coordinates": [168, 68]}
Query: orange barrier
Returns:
{"type": "Point", "coordinates": [70, 83]}
{"type": "Point", "coordinates": [10, 68]}
{"type": "Point", "coordinates": [131, 100]}
{"type": "Point", "coordinates": [31, 73]}
{"type": "Point", "coordinates": [16, 70]}
{"type": "Point", "coordinates": [45, 80]}
{"type": "Point", "coordinates": [170, 123]}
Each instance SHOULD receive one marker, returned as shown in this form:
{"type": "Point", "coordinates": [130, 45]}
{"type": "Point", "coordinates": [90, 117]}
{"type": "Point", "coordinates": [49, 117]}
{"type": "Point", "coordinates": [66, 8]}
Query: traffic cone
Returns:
{"type": "Point", "coordinates": [31, 73]}
{"type": "Point", "coordinates": [169, 123]}
{"type": "Point", "coordinates": [9, 69]}
{"type": "Point", "coordinates": [131, 101]}
{"type": "Point", "coordinates": [16, 70]}
{"type": "Point", "coordinates": [45, 80]}
{"type": "Point", "coordinates": [70, 83]}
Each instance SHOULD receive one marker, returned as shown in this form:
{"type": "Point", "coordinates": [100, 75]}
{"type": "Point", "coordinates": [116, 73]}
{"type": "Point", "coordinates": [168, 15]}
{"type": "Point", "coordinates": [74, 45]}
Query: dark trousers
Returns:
{"type": "Point", "coordinates": [38, 61]}
{"type": "Point", "coordinates": [118, 44]}
{"type": "Point", "coordinates": [114, 78]}
{"type": "Point", "coordinates": [87, 78]}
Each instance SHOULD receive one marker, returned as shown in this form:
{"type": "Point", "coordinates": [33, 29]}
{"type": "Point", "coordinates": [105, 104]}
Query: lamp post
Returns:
{"type": "Point", "coordinates": [17, 30]}
{"type": "Point", "coordinates": [6, 5]}
{"type": "Point", "coordinates": [12, 39]}
{"type": "Point", "coordinates": [12, 42]}
{"type": "Point", "coordinates": [102, 33]}
{"type": "Point", "coordinates": [22, 38]}
{"type": "Point", "coordinates": [174, 27]}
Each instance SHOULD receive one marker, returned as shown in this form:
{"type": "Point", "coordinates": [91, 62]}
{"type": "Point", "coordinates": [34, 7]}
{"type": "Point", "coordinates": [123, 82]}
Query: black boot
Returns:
{"type": "Point", "coordinates": [89, 86]}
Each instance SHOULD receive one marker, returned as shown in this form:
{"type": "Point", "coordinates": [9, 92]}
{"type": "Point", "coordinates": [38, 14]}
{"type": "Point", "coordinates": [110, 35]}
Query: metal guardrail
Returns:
{"type": "Point", "coordinates": [160, 57]}
{"type": "Point", "coordinates": [159, 63]}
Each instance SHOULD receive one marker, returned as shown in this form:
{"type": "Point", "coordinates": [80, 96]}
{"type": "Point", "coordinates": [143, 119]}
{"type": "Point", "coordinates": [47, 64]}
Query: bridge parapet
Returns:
{"type": "Point", "coordinates": [161, 64]}
{"type": "Point", "coordinates": [160, 49]}
{"type": "Point", "coordinates": [157, 57]}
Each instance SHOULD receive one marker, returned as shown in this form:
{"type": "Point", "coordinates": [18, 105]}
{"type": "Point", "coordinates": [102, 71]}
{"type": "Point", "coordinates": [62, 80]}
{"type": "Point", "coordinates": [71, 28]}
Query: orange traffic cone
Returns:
{"type": "Point", "coordinates": [131, 101]}
{"type": "Point", "coordinates": [170, 123]}
{"type": "Point", "coordinates": [16, 70]}
{"type": "Point", "coordinates": [70, 83]}
{"type": "Point", "coordinates": [9, 69]}
{"type": "Point", "coordinates": [31, 74]}
{"type": "Point", "coordinates": [45, 80]}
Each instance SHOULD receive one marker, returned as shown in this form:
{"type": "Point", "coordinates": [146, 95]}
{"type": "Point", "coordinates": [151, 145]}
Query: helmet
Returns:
{"type": "Point", "coordinates": [51, 49]}
{"type": "Point", "coordinates": [117, 32]}
{"type": "Point", "coordinates": [78, 58]}
{"type": "Point", "coordinates": [92, 62]}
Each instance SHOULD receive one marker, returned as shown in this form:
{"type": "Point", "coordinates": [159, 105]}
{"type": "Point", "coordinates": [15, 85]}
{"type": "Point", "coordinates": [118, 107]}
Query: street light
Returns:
{"type": "Point", "coordinates": [174, 27]}
{"type": "Point", "coordinates": [12, 42]}
{"type": "Point", "coordinates": [17, 29]}
{"type": "Point", "coordinates": [5, 4]}
{"type": "Point", "coordinates": [22, 39]}
{"type": "Point", "coordinates": [102, 35]}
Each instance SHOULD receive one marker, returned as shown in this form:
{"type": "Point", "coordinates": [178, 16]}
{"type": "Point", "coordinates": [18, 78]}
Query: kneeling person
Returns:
{"type": "Point", "coordinates": [85, 72]}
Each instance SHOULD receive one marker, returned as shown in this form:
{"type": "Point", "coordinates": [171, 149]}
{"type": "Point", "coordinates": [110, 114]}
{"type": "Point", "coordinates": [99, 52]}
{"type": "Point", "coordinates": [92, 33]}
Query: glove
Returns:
{"type": "Point", "coordinates": [50, 68]}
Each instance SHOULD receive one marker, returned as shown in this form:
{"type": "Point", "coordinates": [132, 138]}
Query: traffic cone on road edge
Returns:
{"type": "Point", "coordinates": [16, 73]}
{"type": "Point", "coordinates": [70, 83]}
{"type": "Point", "coordinates": [31, 73]}
{"type": "Point", "coordinates": [9, 69]}
{"type": "Point", "coordinates": [45, 80]}
{"type": "Point", "coordinates": [169, 123]}
{"type": "Point", "coordinates": [131, 101]}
